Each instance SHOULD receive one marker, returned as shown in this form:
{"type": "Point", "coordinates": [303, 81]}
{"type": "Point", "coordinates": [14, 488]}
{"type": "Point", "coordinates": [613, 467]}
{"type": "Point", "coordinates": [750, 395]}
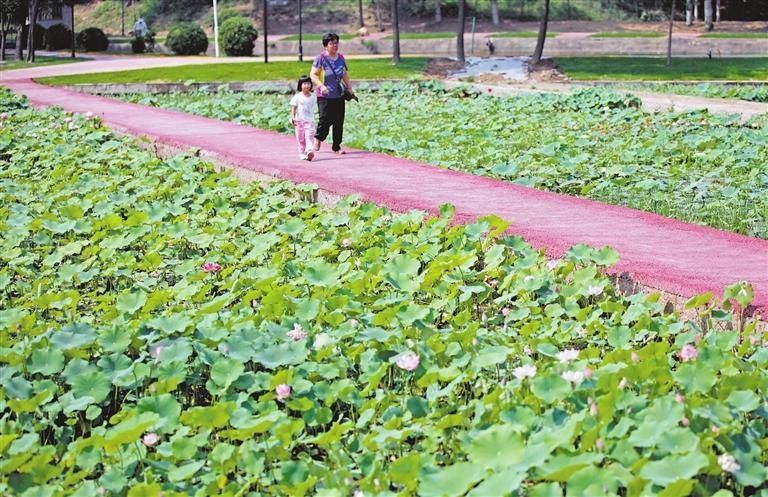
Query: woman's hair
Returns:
{"type": "Point", "coordinates": [302, 80]}
{"type": "Point", "coordinates": [329, 37]}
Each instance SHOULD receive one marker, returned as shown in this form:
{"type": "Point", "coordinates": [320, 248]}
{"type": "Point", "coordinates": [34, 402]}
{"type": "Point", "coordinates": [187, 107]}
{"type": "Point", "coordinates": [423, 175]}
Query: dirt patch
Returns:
{"type": "Point", "coordinates": [546, 71]}
{"type": "Point", "coordinates": [441, 67]}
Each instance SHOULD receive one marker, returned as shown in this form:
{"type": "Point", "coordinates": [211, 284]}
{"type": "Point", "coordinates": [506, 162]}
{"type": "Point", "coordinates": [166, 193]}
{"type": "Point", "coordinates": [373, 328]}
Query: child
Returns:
{"type": "Point", "coordinates": [303, 117]}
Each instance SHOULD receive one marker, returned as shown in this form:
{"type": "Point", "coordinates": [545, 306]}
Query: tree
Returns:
{"type": "Point", "coordinates": [460, 32]}
{"type": "Point", "coordinates": [495, 12]}
{"type": "Point", "coordinates": [360, 12]}
{"type": "Point", "coordinates": [669, 37]}
{"type": "Point", "coordinates": [301, 47]}
{"type": "Point", "coordinates": [542, 32]}
{"type": "Point", "coordinates": [717, 11]}
{"type": "Point", "coordinates": [438, 11]}
{"type": "Point", "coordinates": [689, 12]}
{"type": "Point", "coordinates": [33, 7]}
{"type": "Point", "coordinates": [708, 15]}
{"type": "Point", "coordinates": [12, 14]}
{"type": "Point", "coordinates": [395, 32]}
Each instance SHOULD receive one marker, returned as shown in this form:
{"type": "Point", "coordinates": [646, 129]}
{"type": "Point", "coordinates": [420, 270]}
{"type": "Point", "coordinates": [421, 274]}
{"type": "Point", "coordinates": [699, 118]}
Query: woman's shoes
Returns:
{"type": "Point", "coordinates": [340, 152]}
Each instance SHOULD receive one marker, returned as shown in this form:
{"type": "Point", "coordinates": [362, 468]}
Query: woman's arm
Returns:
{"type": "Point", "coordinates": [314, 75]}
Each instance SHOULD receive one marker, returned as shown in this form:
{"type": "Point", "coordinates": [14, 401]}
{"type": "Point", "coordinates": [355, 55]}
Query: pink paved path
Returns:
{"type": "Point", "coordinates": [678, 258]}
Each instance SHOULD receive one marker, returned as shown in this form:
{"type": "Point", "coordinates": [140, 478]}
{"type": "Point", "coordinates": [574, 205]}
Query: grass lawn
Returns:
{"type": "Point", "coordinates": [734, 35]}
{"type": "Point", "coordinates": [656, 68]}
{"type": "Point", "coordinates": [40, 60]}
{"type": "Point", "coordinates": [246, 71]}
{"type": "Point", "coordinates": [628, 34]}
{"type": "Point", "coordinates": [424, 36]}
{"type": "Point", "coordinates": [523, 34]}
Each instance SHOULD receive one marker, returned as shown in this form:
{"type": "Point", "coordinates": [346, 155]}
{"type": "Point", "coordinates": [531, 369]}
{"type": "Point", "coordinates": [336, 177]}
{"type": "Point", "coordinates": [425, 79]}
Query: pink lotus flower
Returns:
{"type": "Point", "coordinates": [505, 311]}
{"type": "Point", "coordinates": [679, 398]}
{"type": "Point", "coordinates": [685, 421]}
{"type": "Point", "coordinates": [354, 323]}
{"type": "Point", "coordinates": [593, 409]}
{"type": "Point", "coordinates": [155, 352]}
{"type": "Point", "coordinates": [553, 264]}
{"type": "Point", "coordinates": [283, 391]}
{"type": "Point", "coordinates": [297, 333]}
{"type": "Point", "coordinates": [150, 439]}
{"type": "Point", "coordinates": [600, 444]}
{"type": "Point", "coordinates": [688, 353]}
{"type": "Point", "coordinates": [211, 267]}
{"type": "Point", "coordinates": [714, 429]}
{"type": "Point", "coordinates": [588, 373]}
{"type": "Point", "coordinates": [4, 115]}
{"type": "Point", "coordinates": [346, 243]}
{"type": "Point", "coordinates": [635, 356]}
{"type": "Point", "coordinates": [407, 361]}
{"type": "Point", "coordinates": [595, 291]}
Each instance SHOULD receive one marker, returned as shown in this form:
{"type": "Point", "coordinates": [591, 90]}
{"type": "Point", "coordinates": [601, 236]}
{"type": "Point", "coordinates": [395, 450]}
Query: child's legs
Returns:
{"type": "Point", "coordinates": [300, 137]}
{"type": "Point", "coordinates": [309, 135]}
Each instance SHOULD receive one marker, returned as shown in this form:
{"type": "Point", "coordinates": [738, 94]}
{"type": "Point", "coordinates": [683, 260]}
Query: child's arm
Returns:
{"type": "Point", "coordinates": [293, 114]}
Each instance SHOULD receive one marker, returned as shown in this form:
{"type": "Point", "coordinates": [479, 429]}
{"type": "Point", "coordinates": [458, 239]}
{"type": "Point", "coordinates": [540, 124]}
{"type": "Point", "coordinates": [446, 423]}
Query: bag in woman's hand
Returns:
{"type": "Point", "coordinates": [348, 95]}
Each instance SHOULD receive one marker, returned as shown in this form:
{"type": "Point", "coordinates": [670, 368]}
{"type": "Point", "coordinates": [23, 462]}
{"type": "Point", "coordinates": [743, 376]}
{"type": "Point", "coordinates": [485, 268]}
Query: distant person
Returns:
{"type": "Point", "coordinates": [329, 73]}
{"type": "Point", "coordinates": [303, 117]}
{"type": "Point", "coordinates": [140, 28]}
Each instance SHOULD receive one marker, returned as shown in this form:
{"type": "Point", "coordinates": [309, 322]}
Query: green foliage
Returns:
{"type": "Point", "coordinates": [58, 37]}
{"type": "Point", "coordinates": [693, 166]}
{"type": "Point", "coordinates": [657, 69]}
{"type": "Point", "coordinates": [129, 360]}
{"type": "Point", "coordinates": [92, 40]}
{"type": "Point", "coordinates": [749, 92]}
{"type": "Point", "coordinates": [187, 38]}
{"type": "Point", "coordinates": [223, 15]}
{"type": "Point", "coordinates": [237, 36]}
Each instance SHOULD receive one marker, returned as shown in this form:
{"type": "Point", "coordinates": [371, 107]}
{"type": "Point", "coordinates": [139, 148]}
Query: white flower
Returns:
{"type": "Point", "coordinates": [528, 279]}
{"type": "Point", "coordinates": [527, 350]}
{"type": "Point", "coordinates": [567, 355]}
{"type": "Point", "coordinates": [524, 371]}
{"type": "Point", "coordinates": [573, 376]}
{"type": "Point", "coordinates": [595, 290]}
{"type": "Point", "coordinates": [322, 340]}
{"type": "Point", "coordinates": [728, 463]}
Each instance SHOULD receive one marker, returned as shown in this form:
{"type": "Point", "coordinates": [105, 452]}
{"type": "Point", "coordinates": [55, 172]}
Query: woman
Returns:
{"type": "Point", "coordinates": [329, 72]}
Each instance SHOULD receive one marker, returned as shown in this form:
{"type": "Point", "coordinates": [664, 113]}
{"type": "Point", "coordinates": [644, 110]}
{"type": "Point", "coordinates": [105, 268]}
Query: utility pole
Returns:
{"type": "Point", "coordinates": [266, 45]}
{"type": "Point", "coordinates": [301, 48]}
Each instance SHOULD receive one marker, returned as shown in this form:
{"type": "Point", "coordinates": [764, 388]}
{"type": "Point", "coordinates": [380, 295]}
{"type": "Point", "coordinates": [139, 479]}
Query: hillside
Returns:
{"type": "Point", "coordinates": [416, 16]}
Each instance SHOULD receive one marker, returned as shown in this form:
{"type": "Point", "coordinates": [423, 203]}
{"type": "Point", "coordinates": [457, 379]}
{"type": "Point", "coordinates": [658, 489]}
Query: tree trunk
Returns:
{"type": "Point", "coordinates": [32, 6]}
{"type": "Point", "coordinates": [438, 11]}
{"type": "Point", "coordinates": [19, 47]}
{"type": "Point", "coordinates": [395, 32]}
{"type": "Point", "coordinates": [542, 32]}
{"type": "Point", "coordinates": [708, 15]}
{"type": "Point", "coordinates": [689, 12]}
{"type": "Point", "coordinates": [2, 45]}
{"type": "Point", "coordinates": [695, 10]}
{"type": "Point", "coordinates": [669, 37]}
{"type": "Point", "coordinates": [717, 11]}
{"type": "Point", "coordinates": [360, 12]}
{"type": "Point", "coordinates": [495, 12]}
{"type": "Point", "coordinates": [377, 5]}
{"type": "Point", "coordinates": [460, 32]}
{"type": "Point", "coordinates": [72, 27]}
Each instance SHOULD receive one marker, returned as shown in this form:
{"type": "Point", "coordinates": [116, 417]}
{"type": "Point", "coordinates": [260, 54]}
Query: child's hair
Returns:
{"type": "Point", "coordinates": [302, 80]}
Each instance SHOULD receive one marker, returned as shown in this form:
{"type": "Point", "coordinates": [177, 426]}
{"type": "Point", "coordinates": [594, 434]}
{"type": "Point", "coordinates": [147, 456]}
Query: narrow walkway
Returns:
{"type": "Point", "coordinates": [661, 253]}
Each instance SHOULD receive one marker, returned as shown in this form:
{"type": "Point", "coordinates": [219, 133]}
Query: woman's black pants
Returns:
{"type": "Point", "coordinates": [331, 112]}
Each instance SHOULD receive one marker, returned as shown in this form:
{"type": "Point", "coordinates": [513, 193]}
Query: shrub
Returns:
{"type": "Point", "coordinates": [187, 38]}
{"type": "Point", "coordinates": [57, 37]}
{"type": "Point", "coordinates": [237, 36]}
{"type": "Point", "coordinates": [92, 40]}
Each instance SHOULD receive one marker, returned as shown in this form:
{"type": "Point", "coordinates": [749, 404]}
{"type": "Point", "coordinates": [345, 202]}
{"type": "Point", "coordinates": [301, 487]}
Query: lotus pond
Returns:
{"type": "Point", "coordinates": [696, 167]}
{"type": "Point", "coordinates": [165, 330]}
